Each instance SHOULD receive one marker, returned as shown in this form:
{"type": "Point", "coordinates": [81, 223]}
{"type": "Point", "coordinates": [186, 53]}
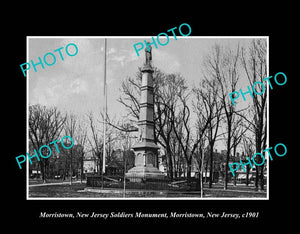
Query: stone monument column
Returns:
{"type": "Point", "coordinates": [145, 149]}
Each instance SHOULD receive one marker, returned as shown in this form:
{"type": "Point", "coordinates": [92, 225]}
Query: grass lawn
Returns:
{"type": "Point", "coordinates": [76, 191]}
{"type": "Point", "coordinates": [64, 190]}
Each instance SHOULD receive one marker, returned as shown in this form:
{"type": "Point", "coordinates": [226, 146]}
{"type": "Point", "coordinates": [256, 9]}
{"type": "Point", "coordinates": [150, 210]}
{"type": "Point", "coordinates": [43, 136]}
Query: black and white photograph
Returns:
{"type": "Point", "coordinates": [153, 117]}
{"type": "Point", "coordinates": [143, 118]}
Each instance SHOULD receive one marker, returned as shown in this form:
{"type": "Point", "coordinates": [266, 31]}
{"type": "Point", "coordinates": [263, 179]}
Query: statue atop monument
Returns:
{"type": "Point", "coordinates": [148, 55]}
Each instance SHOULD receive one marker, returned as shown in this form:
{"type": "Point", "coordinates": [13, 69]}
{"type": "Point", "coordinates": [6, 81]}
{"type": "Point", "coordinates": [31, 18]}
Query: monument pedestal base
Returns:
{"type": "Point", "coordinates": [146, 162]}
{"type": "Point", "coordinates": [139, 173]}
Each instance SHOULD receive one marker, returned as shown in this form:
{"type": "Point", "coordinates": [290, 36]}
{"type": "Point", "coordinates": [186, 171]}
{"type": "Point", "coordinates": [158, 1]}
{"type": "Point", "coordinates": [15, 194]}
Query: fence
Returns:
{"type": "Point", "coordinates": [144, 183]}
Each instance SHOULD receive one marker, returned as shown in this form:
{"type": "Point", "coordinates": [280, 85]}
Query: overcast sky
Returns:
{"type": "Point", "coordinates": [76, 84]}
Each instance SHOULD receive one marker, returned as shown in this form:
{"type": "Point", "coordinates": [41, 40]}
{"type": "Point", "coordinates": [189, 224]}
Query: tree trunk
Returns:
{"type": "Point", "coordinates": [43, 167]}
{"type": "Point", "coordinates": [262, 177]}
{"type": "Point", "coordinates": [247, 174]}
{"type": "Point", "coordinates": [206, 169]}
{"type": "Point", "coordinates": [189, 169]}
{"type": "Point", "coordinates": [227, 161]}
{"type": "Point", "coordinates": [71, 172]}
{"type": "Point", "coordinates": [258, 149]}
{"type": "Point", "coordinates": [226, 170]}
{"type": "Point", "coordinates": [256, 178]}
{"type": "Point", "coordinates": [211, 167]}
{"type": "Point", "coordinates": [234, 154]}
{"type": "Point", "coordinates": [201, 176]}
{"type": "Point", "coordinates": [170, 162]}
{"type": "Point", "coordinates": [42, 164]}
{"type": "Point", "coordinates": [81, 168]}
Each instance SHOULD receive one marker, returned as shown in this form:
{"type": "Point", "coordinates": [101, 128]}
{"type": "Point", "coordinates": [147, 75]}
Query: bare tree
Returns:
{"type": "Point", "coordinates": [255, 65]}
{"type": "Point", "coordinates": [183, 133]}
{"type": "Point", "coordinates": [239, 129]}
{"type": "Point", "coordinates": [180, 119]}
{"type": "Point", "coordinates": [222, 65]}
{"type": "Point", "coordinates": [95, 141]}
{"type": "Point", "coordinates": [81, 139]}
{"type": "Point", "coordinates": [131, 90]}
{"type": "Point", "coordinates": [167, 90]}
{"type": "Point", "coordinates": [204, 108]}
{"type": "Point", "coordinates": [248, 147]}
{"type": "Point", "coordinates": [71, 127]}
{"type": "Point", "coordinates": [209, 110]}
{"type": "Point", "coordinates": [45, 126]}
{"type": "Point", "coordinates": [199, 155]}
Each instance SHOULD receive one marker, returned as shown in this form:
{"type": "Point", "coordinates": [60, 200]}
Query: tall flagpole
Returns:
{"type": "Point", "coordinates": [104, 110]}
